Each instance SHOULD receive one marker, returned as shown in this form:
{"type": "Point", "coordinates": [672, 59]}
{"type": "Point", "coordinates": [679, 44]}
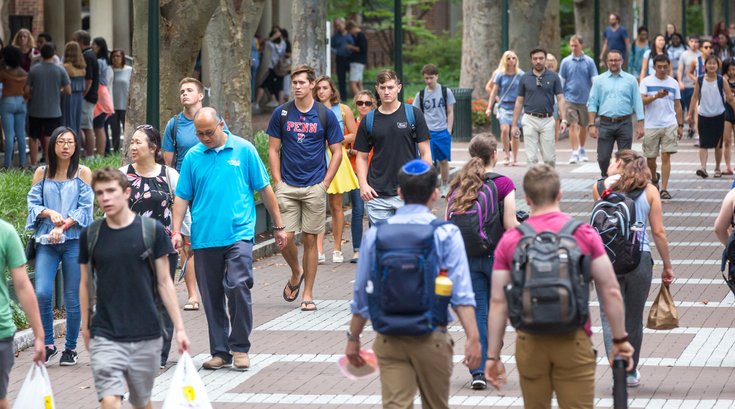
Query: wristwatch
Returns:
{"type": "Point", "coordinates": [353, 338]}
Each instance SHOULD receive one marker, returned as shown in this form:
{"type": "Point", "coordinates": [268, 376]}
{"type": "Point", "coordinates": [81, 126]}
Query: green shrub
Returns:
{"type": "Point", "coordinates": [19, 317]}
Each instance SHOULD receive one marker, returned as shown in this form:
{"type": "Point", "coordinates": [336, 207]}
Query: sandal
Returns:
{"type": "Point", "coordinates": [665, 194]}
{"type": "Point", "coordinates": [718, 173]}
{"type": "Point", "coordinates": [191, 306]}
{"type": "Point", "coordinates": [305, 306]}
{"type": "Point", "coordinates": [702, 173]}
{"type": "Point", "coordinates": [294, 289]}
{"type": "Point", "coordinates": [727, 171]}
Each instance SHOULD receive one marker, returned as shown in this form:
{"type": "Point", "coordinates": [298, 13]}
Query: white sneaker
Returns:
{"type": "Point", "coordinates": [322, 258]}
{"type": "Point", "coordinates": [337, 257]}
{"type": "Point", "coordinates": [583, 155]}
{"type": "Point", "coordinates": [271, 104]}
{"type": "Point", "coordinates": [444, 190]}
{"type": "Point", "coordinates": [633, 379]}
{"type": "Point", "coordinates": [574, 159]}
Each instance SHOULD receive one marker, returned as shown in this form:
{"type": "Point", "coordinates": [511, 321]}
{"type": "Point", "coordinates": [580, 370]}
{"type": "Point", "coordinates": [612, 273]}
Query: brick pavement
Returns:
{"type": "Point", "coordinates": [294, 353]}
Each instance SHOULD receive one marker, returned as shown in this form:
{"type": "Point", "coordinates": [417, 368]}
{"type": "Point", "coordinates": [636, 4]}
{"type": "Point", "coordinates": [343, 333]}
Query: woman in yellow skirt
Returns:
{"type": "Point", "coordinates": [345, 180]}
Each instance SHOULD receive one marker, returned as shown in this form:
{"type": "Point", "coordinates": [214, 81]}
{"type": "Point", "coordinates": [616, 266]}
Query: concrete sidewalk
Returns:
{"type": "Point", "coordinates": [294, 352]}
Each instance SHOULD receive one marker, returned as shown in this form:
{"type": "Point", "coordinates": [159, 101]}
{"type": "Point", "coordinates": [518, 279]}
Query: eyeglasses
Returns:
{"type": "Point", "coordinates": [364, 103]}
{"type": "Point", "coordinates": [208, 134]}
{"type": "Point", "coordinates": [706, 47]}
{"type": "Point", "coordinates": [62, 142]}
{"type": "Point", "coordinates": [538, 82]}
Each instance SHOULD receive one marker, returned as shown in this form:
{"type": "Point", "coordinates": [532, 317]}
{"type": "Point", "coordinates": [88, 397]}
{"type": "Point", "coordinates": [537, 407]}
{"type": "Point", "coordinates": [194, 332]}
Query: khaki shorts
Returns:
{"type": "Point", "coordinates": [664, 138]}
{"type": "Point", "coordinates": [302, 208]}
{"type": "Point", "coordinates": [577, 113]}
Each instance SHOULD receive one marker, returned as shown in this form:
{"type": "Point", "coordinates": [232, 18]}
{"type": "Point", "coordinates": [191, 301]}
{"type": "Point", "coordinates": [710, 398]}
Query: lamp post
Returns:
{"type": "Point", "coordinates": [398, 42]}
{"type": "Point", "coordinates": [597, 28]}
{"type": "Point", "coordinates": [505, 38]}
{"type": "Point", "coordinates": [152, 109]}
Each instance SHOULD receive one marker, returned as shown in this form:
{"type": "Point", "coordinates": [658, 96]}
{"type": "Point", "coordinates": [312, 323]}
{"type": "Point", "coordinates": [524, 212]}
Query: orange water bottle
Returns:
{"type": "Point", "coordinates": [442, 295]}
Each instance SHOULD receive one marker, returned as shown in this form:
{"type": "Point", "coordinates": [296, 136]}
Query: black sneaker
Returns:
{"type": "Point", "coordinates": [163, 362]}
{"type": "Point", "coordinates": [479, 382]}
{"type": "Point", "coordinates": [68, 358]}
{"type": "Point", "coordinates": [50, 353]}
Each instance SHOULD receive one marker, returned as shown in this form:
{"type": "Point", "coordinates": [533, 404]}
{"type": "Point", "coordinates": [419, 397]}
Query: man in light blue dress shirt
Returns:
{"type": "Point", "coordinates": [614, 98]}
{"type": "Point", "coordinates": [410, 362]}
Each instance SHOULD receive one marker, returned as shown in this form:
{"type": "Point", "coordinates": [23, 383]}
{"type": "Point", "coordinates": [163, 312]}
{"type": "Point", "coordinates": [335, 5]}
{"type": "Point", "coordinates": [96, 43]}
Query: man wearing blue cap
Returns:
{"type": "Point", "coordinates": [413, 347]}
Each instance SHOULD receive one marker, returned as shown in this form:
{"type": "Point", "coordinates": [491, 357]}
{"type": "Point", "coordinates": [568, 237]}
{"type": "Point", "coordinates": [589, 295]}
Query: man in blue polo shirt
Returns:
{"type": "Point", "coordinates": [577, 71]}
{"type": "Point", "coordinates": [614, 98]}
{"type": "Point", "coordinates": [218, 177]}
{"type": "Point", "coordinates": [299, 132]}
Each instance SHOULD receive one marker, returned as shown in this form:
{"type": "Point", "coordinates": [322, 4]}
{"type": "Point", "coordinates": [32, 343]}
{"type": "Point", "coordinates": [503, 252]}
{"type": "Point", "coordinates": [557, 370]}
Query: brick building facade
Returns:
{"type": "Point", "coordinates": [28, 8]}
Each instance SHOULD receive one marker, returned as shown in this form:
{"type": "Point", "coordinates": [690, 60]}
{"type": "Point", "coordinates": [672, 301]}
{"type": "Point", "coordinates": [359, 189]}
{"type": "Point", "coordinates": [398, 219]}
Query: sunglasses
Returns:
{"type": "Point", "coordinates": [706, 47]}
{"type": "Point", "coordinates": [146, 126]}
{"type": "Point", "coordinates": [538, 82]}
{"type": "Point", "coordinates": [364, 103]}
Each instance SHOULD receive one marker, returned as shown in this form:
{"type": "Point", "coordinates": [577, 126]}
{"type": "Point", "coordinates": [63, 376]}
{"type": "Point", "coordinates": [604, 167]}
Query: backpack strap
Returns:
{"type": "Point", "coordinates": [171, 191]}
{"type": "Point", "coordinates": [446, 104]}
{"type": "Point", "coordinates": [285, 110]}
{"type": "Point", "coordinates": [411, 118]}
{"type": "Point", "coordinates": [526, 230]}
{"type": "Point", "coordinates": [93, 233]}
{"type": "Point", "coordinates": [600, 186]}
{"type": "Point", "coordinates": [321, 111]}
{"type": "Point", "coordinates": [149, 239]}
{"type": "Point", "coordinates": [635, 193]}
{"type": "Point", "coordinates": [173, 139]}
{"type": "Point", "coordinates": [421, 99]}
{"type": "Point", "coordinates": [570, 227]}
{"type": "Point", "coordinates": [369, 121]}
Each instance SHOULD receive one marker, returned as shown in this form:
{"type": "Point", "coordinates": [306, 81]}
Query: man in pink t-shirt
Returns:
{"type": "Point", "coordinates": [564, 363]}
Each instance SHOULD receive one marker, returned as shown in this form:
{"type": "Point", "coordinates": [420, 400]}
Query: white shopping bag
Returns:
{"type": "Point", "coordinates": [36, 391]}
{"type": "Point", "coordinates": [186, 389]}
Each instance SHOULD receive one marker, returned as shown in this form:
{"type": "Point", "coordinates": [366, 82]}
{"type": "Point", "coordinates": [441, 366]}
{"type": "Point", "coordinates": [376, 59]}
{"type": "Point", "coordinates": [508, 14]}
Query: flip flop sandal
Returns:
{"type": "Point", "coordinates": [191, 306]}
{"type": "Point", "coordinates": [665, 195]}
{"type": "Point", "coordinates": [294, 289]}
{"type": "Point", "coordinates": [306, 304]}
{"type": "Point", "coordinates": [702, 173]}
{"type": "Point", "coordinates": [727, 172]}
{"type": "Point", "coordinates": [718, 173]}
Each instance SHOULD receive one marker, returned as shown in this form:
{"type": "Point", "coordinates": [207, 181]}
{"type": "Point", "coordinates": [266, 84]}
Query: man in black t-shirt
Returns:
{"type": "Point", "coordinates": [394, 141]}
{"type": "Point", "coordinates": [124, 339]}
{"type": "Point", "coordinates": [91, 85]}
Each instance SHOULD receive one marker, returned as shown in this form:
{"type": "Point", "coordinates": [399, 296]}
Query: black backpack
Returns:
{"type": "Point", "coordinates": [550, 277]}
{"type": "Point", "coordinates": [444, 95]}
{"type": "Point", "coordinates": [614, 218]}
{"type": "Point", "coordinates": [482, 225]}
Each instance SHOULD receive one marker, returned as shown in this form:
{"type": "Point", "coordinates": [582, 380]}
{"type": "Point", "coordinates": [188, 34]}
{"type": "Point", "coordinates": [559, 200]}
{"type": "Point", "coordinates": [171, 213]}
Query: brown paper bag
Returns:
{"type": "Point", "coordinates": [663, 314]}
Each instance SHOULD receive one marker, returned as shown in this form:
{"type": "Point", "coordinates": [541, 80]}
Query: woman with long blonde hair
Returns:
{"type": "Point", "coordinates": [24, 41]}
{"type": "Point", "coordinates": [464, 191]}
{"type": "Point", "coordinates": [71, 105]}
{"type": "Point", "coordinates": [505, 82]}
{"type": "Point", "coordinates": [345, 180]}
{"type": "Point", "coordinates": [628, 172]}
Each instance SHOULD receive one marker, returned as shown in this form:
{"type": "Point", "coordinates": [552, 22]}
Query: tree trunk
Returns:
{"type": "Point", "coordinates": [480, 46]}
{"type": "Point", "coordinates": [310, 34]}
{"type": "Point", "coordinates": [135, 114]}
{"type": "Point", "coordinates": [228, 37]}
{"type": "Point", "coordinates": [182, 27]}
{"type": "Point", "coordinates": [534, 24]}
{"type": "Point", "coordinates": [584, 21]}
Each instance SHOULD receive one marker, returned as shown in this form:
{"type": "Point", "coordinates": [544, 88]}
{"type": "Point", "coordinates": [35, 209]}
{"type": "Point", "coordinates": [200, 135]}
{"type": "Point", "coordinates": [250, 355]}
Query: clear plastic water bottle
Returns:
{"type": "Point", "coordinates": [637, 230]}
{"type": "Point", "coordinates": [46, 239]}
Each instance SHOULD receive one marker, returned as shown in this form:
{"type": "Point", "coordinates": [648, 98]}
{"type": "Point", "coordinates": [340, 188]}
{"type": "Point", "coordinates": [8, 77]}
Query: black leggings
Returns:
{"type": "Point", "coordinates": [117, 124]}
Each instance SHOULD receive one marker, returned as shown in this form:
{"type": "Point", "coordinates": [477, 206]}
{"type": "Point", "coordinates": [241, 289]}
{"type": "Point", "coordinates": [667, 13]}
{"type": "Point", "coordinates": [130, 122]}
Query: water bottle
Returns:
{"type": "Point", "coordinates": [45, 239]}
{"type": "Point", "coordinates": [620, 389]}
{"type": "Point", "coordinates": [442, 294]}
{"type": "Point", "coordinates": [637, 230]}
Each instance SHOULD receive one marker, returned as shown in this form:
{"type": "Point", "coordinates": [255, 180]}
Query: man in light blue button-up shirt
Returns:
{"type": "Point", "coordinates": [408, 361]}
{"type": "Point", "coordinates": [614, 98]}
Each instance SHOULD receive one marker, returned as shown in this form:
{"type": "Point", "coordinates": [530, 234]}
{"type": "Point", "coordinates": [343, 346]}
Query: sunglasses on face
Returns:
{"type": "Point", "coordinates": [364, 103]}
{"type": "Point", "coordinates": [707, 47]}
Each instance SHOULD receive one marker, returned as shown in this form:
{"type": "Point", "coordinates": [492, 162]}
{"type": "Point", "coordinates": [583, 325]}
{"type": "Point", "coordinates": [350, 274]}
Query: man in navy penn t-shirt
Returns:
{"type": "Point", "coordinates": [301, 175]}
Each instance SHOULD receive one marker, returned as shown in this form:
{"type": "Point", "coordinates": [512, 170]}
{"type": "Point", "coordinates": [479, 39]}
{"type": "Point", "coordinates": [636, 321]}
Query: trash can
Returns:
{"type": "Point", "coordinates": [462, 130]}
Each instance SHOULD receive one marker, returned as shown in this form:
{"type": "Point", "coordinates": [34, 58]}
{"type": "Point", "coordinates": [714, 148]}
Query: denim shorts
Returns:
{"type": "Point", "coordinates": [505, 116]}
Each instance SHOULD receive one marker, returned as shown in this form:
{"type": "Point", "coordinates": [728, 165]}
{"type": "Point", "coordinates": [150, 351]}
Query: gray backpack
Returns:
{"type": "Point", "coordinates": [550, 277]}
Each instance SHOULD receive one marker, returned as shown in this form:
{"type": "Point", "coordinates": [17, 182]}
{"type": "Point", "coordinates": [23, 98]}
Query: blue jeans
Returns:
{"type": "Point", "coordinates": [47, 263]}
{"type": "Point", "coordinates": [358, 211]}
{"type": "Point", "coordinates": [481, 281]}
{"type": "Point", "coordinates": [13, 112]}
